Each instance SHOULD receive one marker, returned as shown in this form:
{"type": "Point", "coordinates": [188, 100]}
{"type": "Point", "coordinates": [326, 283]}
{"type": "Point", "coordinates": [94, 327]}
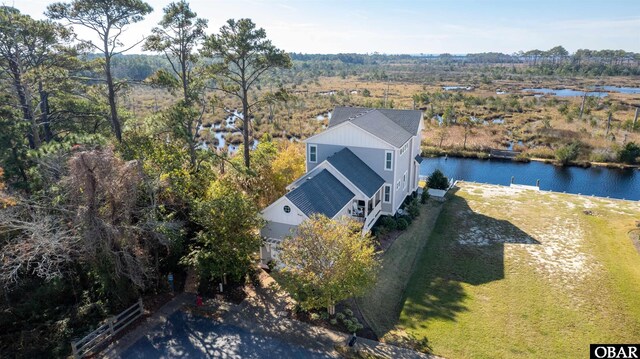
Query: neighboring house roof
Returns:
{"type": "Point", "coordinates": [323, 194]}
{"type": "Point", "coordinates": [419, 159]}
{"type": "Point", "coordinates": [393, 126]}
{"type": "Point", "coordinates": [356, 171]}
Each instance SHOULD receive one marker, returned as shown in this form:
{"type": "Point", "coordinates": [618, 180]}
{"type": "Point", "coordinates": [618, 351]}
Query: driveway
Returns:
{"type": "Point", "coordinates": [184, 335]}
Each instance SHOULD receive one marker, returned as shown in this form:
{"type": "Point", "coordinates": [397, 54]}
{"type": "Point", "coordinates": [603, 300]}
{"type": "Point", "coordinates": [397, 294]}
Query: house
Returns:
{"type": "Point", "coordinates": [363, 166]}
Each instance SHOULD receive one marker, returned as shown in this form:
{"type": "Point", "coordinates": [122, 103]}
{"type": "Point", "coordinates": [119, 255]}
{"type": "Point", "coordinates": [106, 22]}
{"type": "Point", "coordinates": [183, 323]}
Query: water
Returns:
{"type": "Point", "coordinates": [454, 88]}
{"type": "Point", "coordinates": [626, 90]}
{"type": "Point", "coordinates": [598, 181]}
{"type": "Point", "coordinates": [565, 92]}
{"type": "Point", "coordinates": [324, 116]}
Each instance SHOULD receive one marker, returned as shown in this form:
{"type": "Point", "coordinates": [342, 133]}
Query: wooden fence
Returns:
{"type": "Point", "coordinates": [106, 331]}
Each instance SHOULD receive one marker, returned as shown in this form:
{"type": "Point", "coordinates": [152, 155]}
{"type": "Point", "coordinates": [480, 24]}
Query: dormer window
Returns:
{"type": "Point", "coordinates": [313, 153]}
{"type": "Point", "coordinates": [388, 160]}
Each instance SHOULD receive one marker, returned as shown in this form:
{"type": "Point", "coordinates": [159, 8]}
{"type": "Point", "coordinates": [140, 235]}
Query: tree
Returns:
{"type": "Point", "coordinates": [288, 165]}
{"type": "Point", "coordinates": [630, 153]}
{"type": "Point", "coordinates": [30, 51]}
{"type": "Point", "coordinates": [243, 55]}
{"type": "Point", "coordinates": [468, 124]}
{"type": "Point", "coordinates": [327, 261]}
{"type": "Point", "coordinates": [229, 239]}
{"type": "Point", "coordinates": [108, 19]}
{"type": "Point", "coordinates": [179, 34]}
{"type": "Point", "coordinates": [568, 153]}
{"type": "Point", "coordinates": [437, 180]}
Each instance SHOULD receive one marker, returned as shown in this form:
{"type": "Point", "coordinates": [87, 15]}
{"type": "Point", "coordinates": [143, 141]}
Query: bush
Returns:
{"type": "Point", "coordinates": [340, 316]}
{"type": "Point", "coordinates": [315, 316]}
{"type": "Point", "coordinates": [437, 180]}
{"type": "Point", "coordinates": [630, 153]}
{"type": "Point", "coordinates": [333, 321]}
{"type": "Point", "coordinates": [413, 209]}
{"type": "Point", "coordinates": [324, 315]}
{"type": "Point", "coordinates": [424, 197]}
{"type": "Point", "coordinates": [402, 224]}
{"type": "Point", "coordinates": [568, 153]}
{"type": "Point", "coordinates": [388, 223]}
{"type": "Point", "coordinates": [348, 312]}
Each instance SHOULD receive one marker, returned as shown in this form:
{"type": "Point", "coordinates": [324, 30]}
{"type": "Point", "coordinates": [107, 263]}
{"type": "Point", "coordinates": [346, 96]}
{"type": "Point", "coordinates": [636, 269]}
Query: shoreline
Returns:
{"type": "Point", "coordinates": [487, 156]}
{"type": "Point", "coordinates": [518, 187]}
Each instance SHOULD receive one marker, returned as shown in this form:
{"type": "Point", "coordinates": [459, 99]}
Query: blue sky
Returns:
{"type": "Point", "coordinates": [461, 26]}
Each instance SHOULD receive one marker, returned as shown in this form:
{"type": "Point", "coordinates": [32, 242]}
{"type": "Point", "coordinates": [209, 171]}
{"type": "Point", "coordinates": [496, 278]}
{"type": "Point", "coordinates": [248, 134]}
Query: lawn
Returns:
{"type": "Point", "coordinates": [514, 273]}
{"type": "Point", "coordinates": [382, 305]}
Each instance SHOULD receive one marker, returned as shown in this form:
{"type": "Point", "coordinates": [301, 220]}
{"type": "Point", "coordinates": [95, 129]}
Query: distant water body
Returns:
{"type": "Point", "coordinates": [597, 181]}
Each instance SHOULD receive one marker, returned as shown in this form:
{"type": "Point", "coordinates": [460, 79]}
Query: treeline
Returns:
{"type": "Point", "coordinates": [97, 206]}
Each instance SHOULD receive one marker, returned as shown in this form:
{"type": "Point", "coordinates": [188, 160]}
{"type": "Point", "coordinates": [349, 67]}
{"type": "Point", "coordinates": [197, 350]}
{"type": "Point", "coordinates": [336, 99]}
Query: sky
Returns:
{"type": "Point", "coordinates": [412, 27]}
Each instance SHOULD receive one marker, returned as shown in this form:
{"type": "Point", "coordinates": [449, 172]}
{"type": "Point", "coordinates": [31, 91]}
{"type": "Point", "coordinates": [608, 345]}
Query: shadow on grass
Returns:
{"type": "Point", "coordinates": [464, 247]}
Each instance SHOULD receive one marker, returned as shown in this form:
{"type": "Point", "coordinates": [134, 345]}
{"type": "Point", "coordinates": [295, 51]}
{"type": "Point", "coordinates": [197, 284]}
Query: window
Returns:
{"type": "Point", "coordinates": [313, 153]}
{"type": "Point", "coordinates": [404, 148]}
{"type": "Point", "coordinates": [387, 193]}
{"type": "Point", "coordinates": [287, 209]}
{"type": "Point", "coordinates": [398, 185]}
{"type": "Point", "coordinates": [388, 160]}
{"type": "Point", "coordinates": [404, 181]}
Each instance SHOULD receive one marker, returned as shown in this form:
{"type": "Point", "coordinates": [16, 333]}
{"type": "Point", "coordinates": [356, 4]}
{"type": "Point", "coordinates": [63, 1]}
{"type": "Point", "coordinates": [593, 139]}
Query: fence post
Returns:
{"type": "Point", "coordinates": [74, 350]}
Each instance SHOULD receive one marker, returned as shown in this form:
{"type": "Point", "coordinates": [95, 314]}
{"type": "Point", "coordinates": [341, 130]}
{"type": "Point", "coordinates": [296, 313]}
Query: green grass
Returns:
{"type": "Point", "coordinates": [382, 305]}
{"type": "Point", "coordinates": [564, 279]}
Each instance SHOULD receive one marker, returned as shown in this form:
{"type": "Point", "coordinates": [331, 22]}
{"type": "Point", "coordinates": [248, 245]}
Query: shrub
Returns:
{"type": "Point", "coordinates": [402, 224]}
{"type": "Point", "coordinates": [340, 316]}
{"type": "Point", "coordinates": [568, 153]}
{"type": "Point", "coordinates": [630, 153]}
{"type": "Point", "coordinates": [315, 316]}
{"type": "Point", "coordinates": [388, 223]}
{"type": "Point", "coordinates": [324, 315]}
{"type": "Point", "coordinates": [424, 197]}
{"type": "Point", "coordinates": [348, 312]}
{"type": "Point", "coordinates": [413, 209]}
{"type": "Point", "coordinates": [333, 321]}
{"type": "Point", "coordinates": [437, 180]}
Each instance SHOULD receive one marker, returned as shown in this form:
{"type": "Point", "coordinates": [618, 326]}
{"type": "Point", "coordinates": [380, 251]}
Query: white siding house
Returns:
{"type": "Point", "coordinates": [363, 165]}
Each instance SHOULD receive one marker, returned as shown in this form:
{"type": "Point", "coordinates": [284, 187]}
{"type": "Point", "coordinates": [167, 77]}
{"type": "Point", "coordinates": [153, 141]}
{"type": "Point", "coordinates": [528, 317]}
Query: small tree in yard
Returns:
{"type": "Point", "coordinates": [229, 240]}
{"type": "Point", "coordinates": [437, 180]}
{"type": "Point", "coordinates": [326, 262]}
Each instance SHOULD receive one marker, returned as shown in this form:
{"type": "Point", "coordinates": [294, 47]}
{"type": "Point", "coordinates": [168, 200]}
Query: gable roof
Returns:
{"type": "Point", "coordinates": [393, 126]}
{"type": "Point", "coordinates": [356, 171]}
{"type": "Point", "coordinates": [323, 194]}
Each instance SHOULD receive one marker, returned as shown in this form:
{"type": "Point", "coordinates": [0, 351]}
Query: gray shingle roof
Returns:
{"type": "Point", "coordinates": [393, 126]}
{"type": "Point", "coordinates": [356, 171]}
{"type": "Point", "coordinates": [323, 194]}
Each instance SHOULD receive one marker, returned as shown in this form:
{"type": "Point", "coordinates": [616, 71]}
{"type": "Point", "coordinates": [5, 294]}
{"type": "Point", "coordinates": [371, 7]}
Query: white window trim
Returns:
{"type": "Point", "coordinates": [404, 148]}
{"type": "Point", "coordinates": [386, 187]}
{"type": "Point", "coordinates": [385, 160]}
{"type": "Point", "coordinates": [316, 153]}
